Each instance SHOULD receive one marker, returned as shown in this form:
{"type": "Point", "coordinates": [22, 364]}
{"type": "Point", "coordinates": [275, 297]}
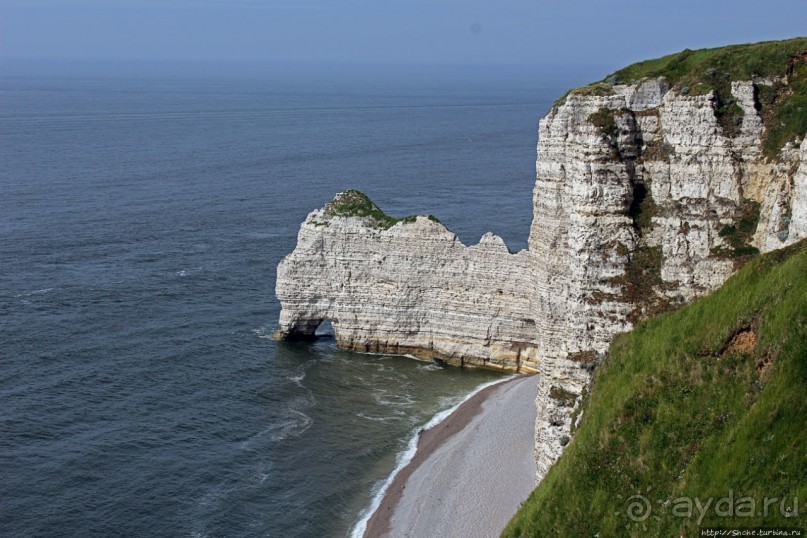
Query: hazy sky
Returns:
{"type": "Point", "coordinates": [589, 32]}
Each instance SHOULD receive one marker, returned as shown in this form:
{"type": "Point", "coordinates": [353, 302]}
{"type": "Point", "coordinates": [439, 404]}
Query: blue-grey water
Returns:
{"type": "Point", "coordinates": [142, 220]}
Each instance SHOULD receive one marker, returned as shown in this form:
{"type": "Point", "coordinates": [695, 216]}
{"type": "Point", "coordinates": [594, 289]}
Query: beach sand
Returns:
{"type": "Point", "coordinates": [471, 472]}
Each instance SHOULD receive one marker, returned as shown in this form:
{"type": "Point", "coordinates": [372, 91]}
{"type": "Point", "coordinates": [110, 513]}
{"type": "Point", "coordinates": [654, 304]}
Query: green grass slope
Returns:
{"type": "Point", "coordinates": [708, 404]}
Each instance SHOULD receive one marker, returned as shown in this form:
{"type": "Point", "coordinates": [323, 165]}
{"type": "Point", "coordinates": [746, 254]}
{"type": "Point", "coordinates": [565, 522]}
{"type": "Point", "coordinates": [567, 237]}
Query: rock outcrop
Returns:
{"type": "Point", "coordinates": [409, 287]}
{"type": "Point", "coordinates": [647, 195]}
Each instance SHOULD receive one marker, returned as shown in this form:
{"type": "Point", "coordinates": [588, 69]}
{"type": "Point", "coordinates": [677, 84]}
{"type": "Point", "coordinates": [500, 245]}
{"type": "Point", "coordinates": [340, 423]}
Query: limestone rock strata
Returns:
{"type": "Point", "coordinates": [639, 205]}
{"type": "Point", "coordinates": [411, 289]}
{"type": "Point", "coordinates": [643, 200]}
{"type": "Point", "coordinates": [783, 219]}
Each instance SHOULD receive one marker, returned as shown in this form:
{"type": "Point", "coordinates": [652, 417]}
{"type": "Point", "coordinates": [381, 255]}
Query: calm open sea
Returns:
{"type": "Point", "coordinates": [142, 220]}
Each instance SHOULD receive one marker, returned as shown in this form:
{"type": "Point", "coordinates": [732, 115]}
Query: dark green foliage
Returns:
{"type": "Point", "coordinates": [784, 110]}
{"type": "Point", "coordinates": [605, 123]}
{"type": "Point", "coordinates": [642, 208]}
{"type": "Point", "coordinates": [705, 402]}
{"type": "Point", "coordinates": [642, 275]}
{"type": "Point", "coordinates": [729, 115]}
{"type": "Point", "coordinates": [739, 235]}
{"type": "Point", "coordinates": [353, 203]}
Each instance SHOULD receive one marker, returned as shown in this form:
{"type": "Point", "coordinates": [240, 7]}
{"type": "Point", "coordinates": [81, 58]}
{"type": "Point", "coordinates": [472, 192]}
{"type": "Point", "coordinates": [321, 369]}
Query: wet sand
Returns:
{"type": "Point", "coordinates": [471, 472]}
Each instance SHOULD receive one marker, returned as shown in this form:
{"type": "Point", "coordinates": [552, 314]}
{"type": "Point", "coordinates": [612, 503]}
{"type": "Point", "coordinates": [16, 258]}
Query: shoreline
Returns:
{"type": "Point", "coordinates": [379, 520]}
{"type": "Point", "coordinates": [406, 456]}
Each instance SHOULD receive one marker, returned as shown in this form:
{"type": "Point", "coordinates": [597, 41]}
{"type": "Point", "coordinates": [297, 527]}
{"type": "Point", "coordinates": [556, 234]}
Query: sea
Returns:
{"type": "Point", "coordinates": [142, 217]}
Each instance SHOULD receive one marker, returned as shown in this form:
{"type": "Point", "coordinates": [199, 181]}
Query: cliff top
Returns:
{"type": "Point", "coordinates": [353, 203]}
{"type": "Point", "coordinates": [778, 67]}
{"type": "Point", "coordinates": [706, 69]}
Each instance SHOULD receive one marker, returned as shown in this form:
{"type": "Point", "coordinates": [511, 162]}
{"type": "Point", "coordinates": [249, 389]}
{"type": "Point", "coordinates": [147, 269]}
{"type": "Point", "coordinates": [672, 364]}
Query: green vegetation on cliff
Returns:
{"type": "Point", "coordinates": [353, 203]}
{"type": "Point", "coordinates": [739, 235]}
{"type": "Point", "coordinates": [703, 405]}
{"type": "Point", "coordinates": [701, 70]}
{"type": "Point", "coordinates": [781, 100]}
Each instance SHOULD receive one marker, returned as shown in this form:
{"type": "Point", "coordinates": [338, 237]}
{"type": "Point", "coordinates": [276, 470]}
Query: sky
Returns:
{"type": "Point", "coordinates": [535, 32]}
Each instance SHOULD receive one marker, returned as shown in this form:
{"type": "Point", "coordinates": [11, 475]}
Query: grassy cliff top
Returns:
{"type": "Point", "coordinates": [706, 402]}
{"type": "Point", "coordinates": [703, 69]}
{"type": "Point", "coordinates": [353, 203]}
{"type": "Point", "coordinates": [782, 101]}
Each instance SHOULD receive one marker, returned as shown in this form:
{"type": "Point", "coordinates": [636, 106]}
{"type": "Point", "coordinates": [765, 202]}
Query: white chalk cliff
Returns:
{"type": "Point", "coordinates": [642, 201]}
{"type": "Point", "coordinates": [412, 288]}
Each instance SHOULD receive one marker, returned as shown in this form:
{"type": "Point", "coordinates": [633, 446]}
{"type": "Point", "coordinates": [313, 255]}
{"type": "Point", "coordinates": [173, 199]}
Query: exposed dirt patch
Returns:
{"type": "Point", "coordinates": [744, 340]}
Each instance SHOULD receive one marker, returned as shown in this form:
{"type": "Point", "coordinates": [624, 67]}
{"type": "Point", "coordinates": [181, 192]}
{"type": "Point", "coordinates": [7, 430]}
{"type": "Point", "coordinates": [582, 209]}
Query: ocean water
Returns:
{"type": "Point", "coordinates": [142, 220]}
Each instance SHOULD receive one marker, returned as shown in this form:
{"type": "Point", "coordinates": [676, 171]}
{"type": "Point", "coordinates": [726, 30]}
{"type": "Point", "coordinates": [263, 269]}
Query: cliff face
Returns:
{"type": "Point", "coordinates": [646, 197]}
{"type": "Point", "coordinates": [408, 288]}
{"type": "Point", "coordinates": [642, 202]}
